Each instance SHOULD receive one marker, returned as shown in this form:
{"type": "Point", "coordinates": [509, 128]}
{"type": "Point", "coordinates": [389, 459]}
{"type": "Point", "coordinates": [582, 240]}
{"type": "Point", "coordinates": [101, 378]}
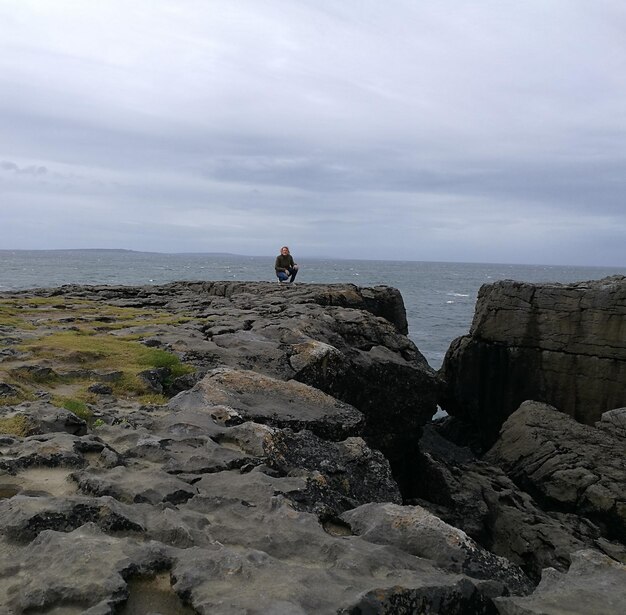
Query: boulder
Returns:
{"type": "Point", "coordinates": [565, 465]}
{"type": "Point", "coordinates": [415, 530]}
{"type": "Point", "coordinates": [478, 497]}
{"type": "Point", "coordinates": [249, 395]}
{"type": "Point", "coordinates": [562, 344]}
{"type": "Point", "coordinates": [594, 584]}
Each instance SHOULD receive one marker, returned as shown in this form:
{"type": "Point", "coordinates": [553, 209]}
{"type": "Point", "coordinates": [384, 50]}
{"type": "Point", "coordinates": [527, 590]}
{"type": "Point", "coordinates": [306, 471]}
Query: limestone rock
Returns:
{"type": "Point", "coordinates": [564, 345]}
{"type": "Point", "coordinates": [415, 530]}
{"type": "Point", "coordinates": [339, 475]}
{"type": "Point", "coordinates": [569, 466]}
{"type": "Point", "coordinates": [266, 485]}
{"type": "Point", "coordinates": [78, 572]}
{"type": "Point", "coordinates": [43, 417]}
{"type": "Point", "coordinates": [481, 499]}
{"type": "Point", "coordinates": [263, 399]}
{"type": "Point", "coordinates": [128, 484]}
{"type": "Point", "coordinates": [593, 584]}
{"type": "Point", "coordinates": [614, 422]}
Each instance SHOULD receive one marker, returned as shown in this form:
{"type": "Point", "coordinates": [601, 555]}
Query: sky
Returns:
{"type": "Point", "coordinates": [437, 130]}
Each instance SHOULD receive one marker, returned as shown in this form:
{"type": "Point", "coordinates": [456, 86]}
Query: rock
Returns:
{"type": "Point", "coordinates": [479, 498]}
{"type": "Point", "coordinates": [130, 485]}
{"type": "Point", "coordinates": [226, 580]}
{"type": "Point", "coordinates": [155, 379]}
{"type": "Point", "coordinates": [564, 345]}
{"type": "Point", "coordinates": [566, 465]}
{"type": "Point", "coordinates": [274, 481]}
{"type": "Point", "coordinates": [593, 584]}
{"type": "Point", "coordinates": [100, 389]}
{"type": "Point", "coordinates": [42, 417]}
{"type": "Point", "coordinates": [6, 390]}
{"type": "Point", "coordinates": [23, 518]}
{"type": "Point", "coordinates": [267, 329]}
{"type": "Point", "coordinates": [339, 475]}
{"type": "Point", "coordinates": [48, 450]}
{"type": "Point", "coordinates": [263, 399]}
{"type": "Point", "coordinates": [35, 372]}
{"type": "Point", "coordinates": [613, 421]}
{"type": "Point", "coordinates": [415, 530]}
{"type": "Point", "coordinates": [84, 569]}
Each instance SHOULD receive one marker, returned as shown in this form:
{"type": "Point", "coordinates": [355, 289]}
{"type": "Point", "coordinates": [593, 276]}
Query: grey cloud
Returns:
{"type": "Point", "coordinates": [33, 170]}
{"type": "Point", "coordinates": [481, 131]}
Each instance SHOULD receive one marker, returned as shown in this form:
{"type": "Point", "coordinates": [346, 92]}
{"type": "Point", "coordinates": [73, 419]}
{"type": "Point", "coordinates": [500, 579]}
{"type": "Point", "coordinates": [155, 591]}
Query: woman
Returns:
{"type": "Point", "coordinates": [286, 269]}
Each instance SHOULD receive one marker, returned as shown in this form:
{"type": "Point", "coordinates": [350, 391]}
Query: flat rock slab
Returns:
{"type": "Point", "coordinates": [134, 485]}
{"type": "Point", "coordinates": [253, 396]}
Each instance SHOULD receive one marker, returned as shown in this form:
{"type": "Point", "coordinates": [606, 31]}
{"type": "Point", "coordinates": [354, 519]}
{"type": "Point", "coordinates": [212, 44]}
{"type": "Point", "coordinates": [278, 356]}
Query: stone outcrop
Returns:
{"type": "Point", "coordinates": [236, 494]}
{"type": "Point", "coordinates": [479, 497]}
{"type": "Point", "coordinates": [580, 591]}
{"type": "Point", "coordinates": [567, 466]}
{"type": "Point", "coordinates": [287, 466]}
{"type": "Point", "coordinates": [564, 345]}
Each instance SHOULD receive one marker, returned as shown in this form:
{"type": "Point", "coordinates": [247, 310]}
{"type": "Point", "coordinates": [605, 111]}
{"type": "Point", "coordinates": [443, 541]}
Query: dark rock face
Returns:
{"type": "Point", "coordinates": [580, 591]}
{"type": "Point", "coordinates": [480, 498]}
{"type": "Point", "coordinates": [560, 344]}
{"type": "Point", "coordinates": [567, 466]}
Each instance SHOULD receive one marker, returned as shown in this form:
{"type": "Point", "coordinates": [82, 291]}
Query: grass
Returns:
{"type": "Point", "coordinates": [17, 425]}
{"type": "Point", "coordinates": [90, 344]}
{"type": "Point", "coordinates": [103, 351]}
{"type": "Point", "coordinates": [78, 407]}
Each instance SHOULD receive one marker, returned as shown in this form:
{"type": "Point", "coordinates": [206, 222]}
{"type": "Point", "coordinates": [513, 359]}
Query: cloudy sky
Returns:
{"type": "Point", "coordinates": [445, 130]}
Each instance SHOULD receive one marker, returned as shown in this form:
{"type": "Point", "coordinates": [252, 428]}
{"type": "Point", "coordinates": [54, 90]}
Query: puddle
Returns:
{"type": "Point", "coordinates": [153, 595]}
{"type": "Point", "coordinates": [51, 481]}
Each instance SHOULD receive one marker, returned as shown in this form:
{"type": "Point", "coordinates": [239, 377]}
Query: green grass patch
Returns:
{"type": "Point", "coordinates": [102, 351]}
{"type": "Point", "coordinates": [156, 357]}
{"type": "Point", "coordinates": [12, 317]}
{"type": "Point", "coordinates": [76, 406]}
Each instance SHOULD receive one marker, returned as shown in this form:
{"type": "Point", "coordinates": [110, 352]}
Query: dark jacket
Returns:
{"type": "Point", "coordinates": [283, 262]}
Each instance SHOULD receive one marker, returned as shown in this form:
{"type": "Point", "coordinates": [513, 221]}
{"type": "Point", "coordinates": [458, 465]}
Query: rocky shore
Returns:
{"type": "Point", "coordinates": [259, 448]}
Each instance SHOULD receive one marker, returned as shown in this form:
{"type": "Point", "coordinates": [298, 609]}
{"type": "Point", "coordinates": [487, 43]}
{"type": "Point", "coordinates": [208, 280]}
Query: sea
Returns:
{"type": "Point", "coordinates": [439, 297]}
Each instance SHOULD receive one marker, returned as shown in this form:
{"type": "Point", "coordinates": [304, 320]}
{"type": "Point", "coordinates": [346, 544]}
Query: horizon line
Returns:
{"type": "Point", "coordinates": [236, 254]}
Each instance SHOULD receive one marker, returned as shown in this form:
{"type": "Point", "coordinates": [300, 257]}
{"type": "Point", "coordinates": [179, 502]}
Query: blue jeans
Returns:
{"type": "Point", "coordinates": [283, 276]}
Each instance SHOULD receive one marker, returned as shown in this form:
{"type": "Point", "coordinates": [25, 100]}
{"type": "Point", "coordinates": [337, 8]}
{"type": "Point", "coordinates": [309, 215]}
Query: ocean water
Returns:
{"type": "Point", "coordinates": [439, 297]}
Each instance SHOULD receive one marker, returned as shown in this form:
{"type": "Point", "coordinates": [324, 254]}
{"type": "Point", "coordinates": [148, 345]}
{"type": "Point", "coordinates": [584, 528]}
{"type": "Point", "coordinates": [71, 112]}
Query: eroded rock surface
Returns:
{"type": "Point", "coordinates": [568, 466]}
{"type": "Point", "coordinates": [270, 477]}
{"type": "Point", "coordinates": [593, 584]}
{"type": "Point", "coordinates": [230, 496]}
{"type": "Point", "coordinates": [562, 344]}
{"type": "Point", "coordinates": [480, 498]}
